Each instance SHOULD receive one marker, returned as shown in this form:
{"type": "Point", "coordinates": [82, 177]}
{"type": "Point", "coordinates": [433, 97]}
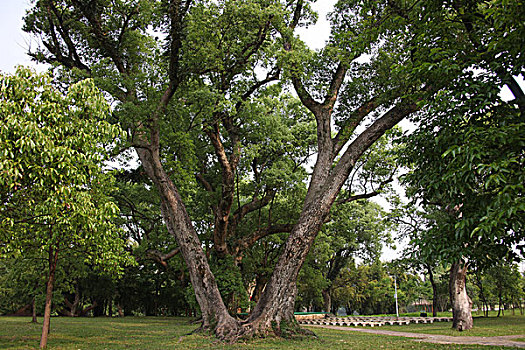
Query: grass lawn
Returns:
{"type": "Point", "coordinates": [483, 327]}
{"type": "Point", "coordinates": [162, 333]}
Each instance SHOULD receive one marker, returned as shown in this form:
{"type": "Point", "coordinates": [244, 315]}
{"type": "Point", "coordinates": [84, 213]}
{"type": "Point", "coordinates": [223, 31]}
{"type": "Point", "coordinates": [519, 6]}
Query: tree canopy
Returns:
{"type": "Point", "coordinates": [202, 90]}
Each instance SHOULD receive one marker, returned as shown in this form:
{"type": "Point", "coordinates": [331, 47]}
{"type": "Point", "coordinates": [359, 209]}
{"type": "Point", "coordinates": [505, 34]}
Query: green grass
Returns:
{"type": "Point", "coordinates": [409, 314]}
{"type": "Point", "coordinates": [161, 333]}
{"type": "Point", "coordinates": [483, 327]}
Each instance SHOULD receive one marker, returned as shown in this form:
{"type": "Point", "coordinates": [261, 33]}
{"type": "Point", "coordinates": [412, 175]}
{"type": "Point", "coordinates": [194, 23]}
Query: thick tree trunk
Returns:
{"type": "Point", "coordinates": [215, 315]}
{"type": "Point", "coordinates": [461, 303]}
{"type": "Point", "coordinates": [276, 306]}
{"type": "Point", "coordinates": [327, 300]}
{"type": "Point", "coordinates": [53, 258]}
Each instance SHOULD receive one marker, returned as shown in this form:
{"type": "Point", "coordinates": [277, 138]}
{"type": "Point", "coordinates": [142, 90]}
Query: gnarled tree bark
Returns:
{"type": "Point", "coordinates": [214, 313]}
{"type": "Point", "coordinates": [461, 303]}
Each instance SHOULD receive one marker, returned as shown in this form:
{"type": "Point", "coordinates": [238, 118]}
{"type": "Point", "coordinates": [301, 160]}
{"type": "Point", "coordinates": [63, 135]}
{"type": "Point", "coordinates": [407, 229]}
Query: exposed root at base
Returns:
{"type": "Point", "coordinates": [199, 330]}
{"type": "Point", "coordinates": [199, 320]}
{"type": "Point", "coordinates": [232, 332]}
{"type": "Point", "coordinates": [307, 333]}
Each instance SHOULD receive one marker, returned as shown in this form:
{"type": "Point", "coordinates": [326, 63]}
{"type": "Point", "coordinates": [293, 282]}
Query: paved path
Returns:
{"type": "Point", "coordinates": [506, 340]}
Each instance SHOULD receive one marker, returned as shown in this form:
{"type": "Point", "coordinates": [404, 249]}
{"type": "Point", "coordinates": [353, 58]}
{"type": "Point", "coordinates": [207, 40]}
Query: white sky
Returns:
{"type": "Point", "coordinates": [13, 41]}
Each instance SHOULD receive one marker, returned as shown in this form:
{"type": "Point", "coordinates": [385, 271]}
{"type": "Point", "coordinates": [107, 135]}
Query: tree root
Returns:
{"type": "Point", "coordinates": [232, 331]}
{"type": "Point", "coordinates": [292, 330]}
{"type": "Point", "coordinates": [199, 320]}
{"type": "Point", "coordinates": [201, 330]}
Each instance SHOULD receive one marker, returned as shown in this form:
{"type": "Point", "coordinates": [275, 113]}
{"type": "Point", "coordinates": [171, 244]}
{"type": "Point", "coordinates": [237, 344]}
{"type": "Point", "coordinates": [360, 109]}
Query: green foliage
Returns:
{"type": "Point", "coordinates": [471, 166]}
{"type": "Point", "coordinates": [192, 73]}
{"type": "Point", "coordinates": [55, 195]}
{"type": "Point", "coordinates": [501, 285]}
{"type": "Point", "coordinates": [467, 153]}
{"type": "Point", "coordinates": [230, 283]}
{"type": "Point", "coordinates": [21, 280]}
{"type": "Point", "coordinates": [367, 289]}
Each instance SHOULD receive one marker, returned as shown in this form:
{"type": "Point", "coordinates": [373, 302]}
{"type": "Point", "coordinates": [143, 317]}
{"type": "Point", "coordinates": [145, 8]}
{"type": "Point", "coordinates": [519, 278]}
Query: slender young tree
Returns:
{"type": "Point", "coordinates": [53, 191]}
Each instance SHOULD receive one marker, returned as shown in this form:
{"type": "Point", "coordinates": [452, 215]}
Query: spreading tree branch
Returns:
{"type": "Point", "coordinates": [365, 195]}
{"type": "Point", "coordinates": [246, 242]}
{"type": "Point", "coordinates": [161, 258]}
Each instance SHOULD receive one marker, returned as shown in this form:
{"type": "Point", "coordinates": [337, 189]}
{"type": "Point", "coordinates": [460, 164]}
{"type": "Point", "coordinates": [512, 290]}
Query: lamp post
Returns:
{"type": "Point", "coordinates": [395, 295]}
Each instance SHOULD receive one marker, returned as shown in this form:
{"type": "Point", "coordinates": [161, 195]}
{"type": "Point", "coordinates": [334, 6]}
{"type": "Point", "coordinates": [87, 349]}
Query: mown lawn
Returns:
{"type": "Point", "coordinates": [162, 333]}
{"type": "Point", "coordinates": [483, 327]}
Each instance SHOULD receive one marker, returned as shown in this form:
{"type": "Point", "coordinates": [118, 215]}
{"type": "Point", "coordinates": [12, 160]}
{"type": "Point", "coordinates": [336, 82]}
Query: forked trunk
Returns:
{"type": "Point", "coordinates": [53, 258]}
{"type": "Point", "coordinates": [461, 303]}
{"type": "Point", "coordinates": [274, 311]}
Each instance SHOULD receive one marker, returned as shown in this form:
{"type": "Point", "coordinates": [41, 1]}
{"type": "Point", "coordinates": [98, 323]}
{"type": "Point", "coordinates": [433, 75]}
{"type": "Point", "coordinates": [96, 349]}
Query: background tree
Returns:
{"type": "Point", "coordinates": [467, 151]}
{"type": "Point", "coordinates": [53, 190]}
{"type": "Point", "coordinates": [476, 188]}
{"type": "Point", "coordinates": [22, 285]}
{"type": "Point", "coordinates": [503, 284]}
{"type": "Point", "coordinates": [419, 254]}
{"type": "Point", "coordinates": [368, 288]}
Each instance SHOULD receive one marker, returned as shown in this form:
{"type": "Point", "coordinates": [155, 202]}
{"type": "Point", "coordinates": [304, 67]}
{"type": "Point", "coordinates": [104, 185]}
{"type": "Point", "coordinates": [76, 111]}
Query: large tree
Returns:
{"type": "Point", "coordinates": [418, 254]}
{"type": "Point", "coordinates": [469, 174]}
{"type": "Point", "coordinates": [208, 67]}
